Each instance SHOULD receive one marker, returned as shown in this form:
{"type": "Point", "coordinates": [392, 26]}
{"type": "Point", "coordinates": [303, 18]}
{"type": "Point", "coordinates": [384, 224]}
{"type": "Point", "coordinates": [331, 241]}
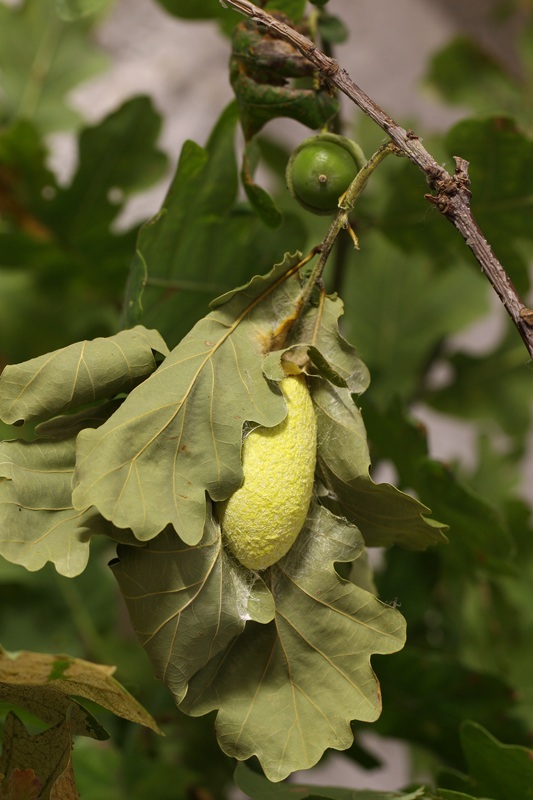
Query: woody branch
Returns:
{"type": "Point", "coordinates": [452, 194]}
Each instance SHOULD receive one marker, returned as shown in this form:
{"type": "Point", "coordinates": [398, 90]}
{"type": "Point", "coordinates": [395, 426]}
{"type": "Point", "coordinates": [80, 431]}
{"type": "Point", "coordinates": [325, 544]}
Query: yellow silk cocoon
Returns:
{"type": "Point", "coordinates": [262, 519]}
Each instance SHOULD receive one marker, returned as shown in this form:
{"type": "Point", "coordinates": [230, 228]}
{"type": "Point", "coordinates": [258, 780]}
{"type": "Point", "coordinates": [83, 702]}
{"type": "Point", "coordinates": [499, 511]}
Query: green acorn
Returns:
{"type": "Point", "coordinates": [321, 169]}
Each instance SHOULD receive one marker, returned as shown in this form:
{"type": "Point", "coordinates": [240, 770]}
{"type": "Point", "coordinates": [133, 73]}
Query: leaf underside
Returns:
{"type": "Point", "coordinates": [312, 659]}
{"type": "Point", "coordinates": [48, 755]}
{"type": "Point", "coordinates": [44, 685]}
{"type": "Point", "coordinates": [78, 374]}
{"type": "Point", "coordinates": [38, 522]}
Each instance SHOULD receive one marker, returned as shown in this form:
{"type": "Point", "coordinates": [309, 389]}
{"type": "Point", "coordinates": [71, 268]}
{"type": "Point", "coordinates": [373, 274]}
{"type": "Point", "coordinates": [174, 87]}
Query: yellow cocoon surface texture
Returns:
{"type": "Point", "coordinates": [262, 519]}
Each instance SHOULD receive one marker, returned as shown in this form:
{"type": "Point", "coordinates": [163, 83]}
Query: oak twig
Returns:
{"type": "Point", "coordinates": [340, 222]}
{"type": "Point", "coordinates": [451, 192]}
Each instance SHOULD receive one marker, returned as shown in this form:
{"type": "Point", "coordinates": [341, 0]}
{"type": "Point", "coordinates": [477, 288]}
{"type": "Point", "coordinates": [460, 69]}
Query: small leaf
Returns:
{"type": "Point", "coordinates": [37, 520]}
{"type": "Point", "coordinates": [325, 368]}
{"type": "Point", "coordinates": [320, 326]}
{"type": "Point", "coordinates": [332, 29]}
{"type": "Point", "coordinates": [496, 770]}
{"type": "Point", "coordinates": [318, 336]}
{"type": "Point", "coordinates": [44, 684]}
{"type": "Point", "coordinates": [312, 662]}
{"type": "Point", "coordinates": [384, 515]}
{"type": "Point", "coordinates": [192, 9]}
{"type": "Point", "coordinates": [78, 374]}
{"type": "Point", "coordinates": [48, 754]}
{"type": "Point", "coordinates": [294, 9]}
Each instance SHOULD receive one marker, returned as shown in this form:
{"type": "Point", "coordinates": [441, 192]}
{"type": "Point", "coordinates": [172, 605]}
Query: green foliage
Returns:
{"type": "Point", "coordinates": [495, 770]}
{"type": "Point", "coordinates": [474, 394]}
{"type": "Point", "coordinates": [80, 374]}
{"type": "Point", "coordinates": [62, 264]}
{"type": "Point", "coordinates": [312, 660]}
{"type": "Point", "coordinates": [478, 535]}
{"type": "Point", "coordinates": [464, 73]}
{"type": "Point", "coordinates": [70, 10]}
{"type": "Point", "coordinates": [501, 159]}
{"type": "Point", "coordinates": [500, 165]}
{"type": "Point", "coordinates": [149, 439]}
{"type": "Point", "coordinates": [388, 325]}
{"type": "Point", "coordinates": [427, 695]}
{"type": "Point", "coordinates": [201, 223]}
{"type": "Point", "coordinates": [43, 59]}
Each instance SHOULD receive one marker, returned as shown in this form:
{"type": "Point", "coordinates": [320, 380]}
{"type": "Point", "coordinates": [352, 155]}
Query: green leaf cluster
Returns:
{"type": "Point", "coordinates": [186, 418]}
{"type": "Point", "coordinates": [38, 520]}
{"type": "Point", "coordinates": [43, 58]}
{"type": "Point", "coordinates": [62, 264]}
{"type": "Point", "coordinates": [203, 242]}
